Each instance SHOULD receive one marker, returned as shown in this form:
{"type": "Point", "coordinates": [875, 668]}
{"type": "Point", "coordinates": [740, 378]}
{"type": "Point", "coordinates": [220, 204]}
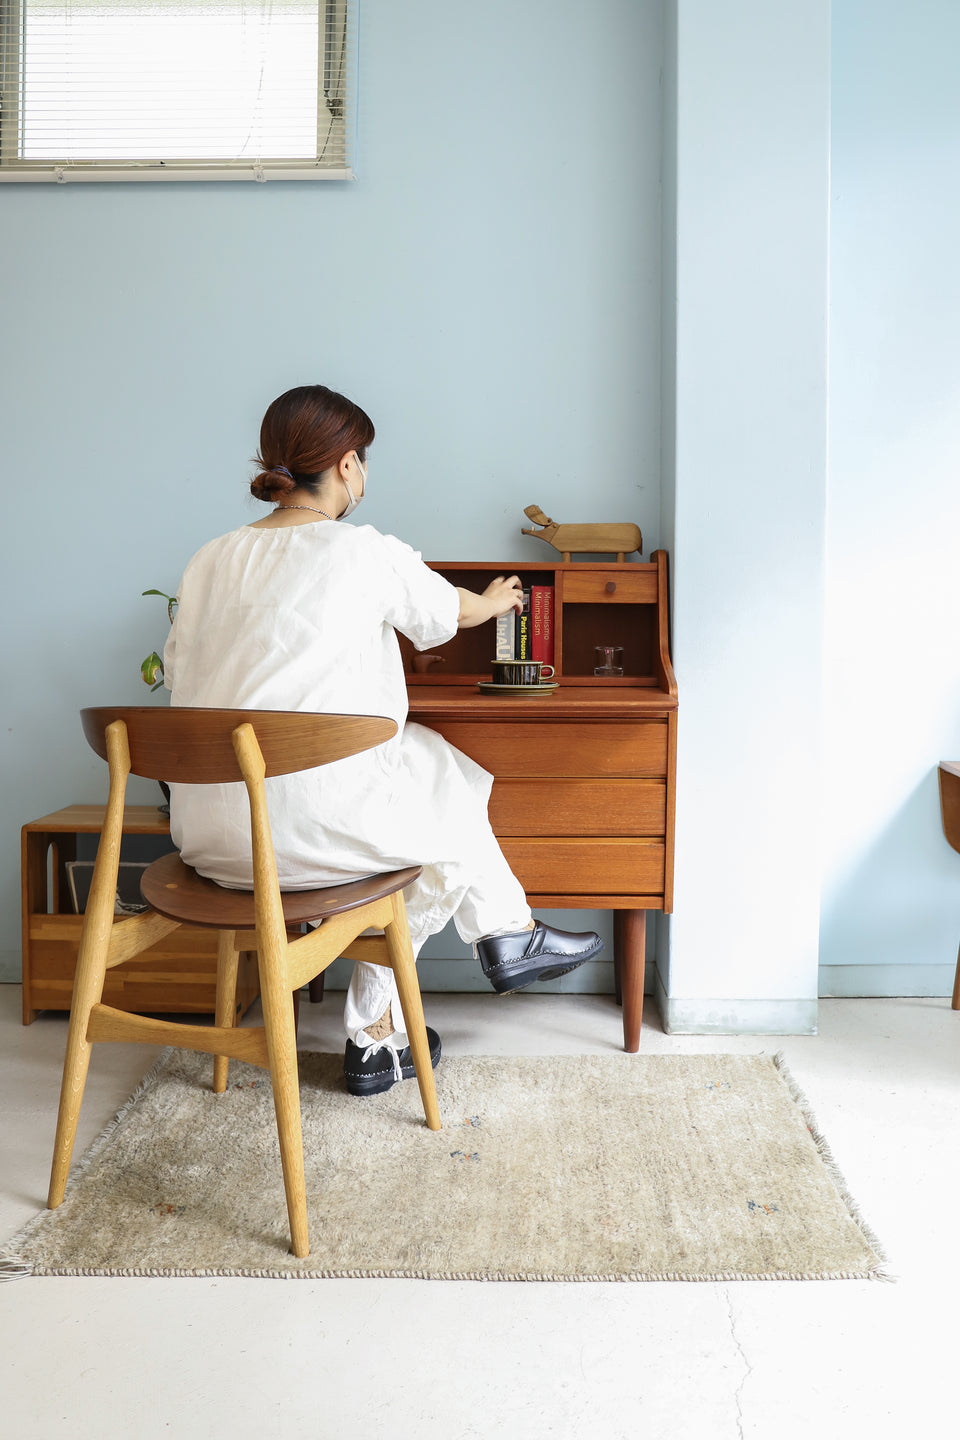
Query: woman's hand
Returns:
{"type": "Point", "coordinates": [502, 594]}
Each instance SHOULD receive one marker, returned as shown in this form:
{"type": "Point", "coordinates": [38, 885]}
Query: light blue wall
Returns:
{"type": "Point", "coordinates": [488, 289]}
{"type": "Point", "coordinates": [891, 893]}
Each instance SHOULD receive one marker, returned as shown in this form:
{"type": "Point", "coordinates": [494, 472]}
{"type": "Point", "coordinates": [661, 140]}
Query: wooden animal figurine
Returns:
{"type": "Point", "coordinates": [620, 540]}
{"type": "Point", "coordinates": [422, 663]}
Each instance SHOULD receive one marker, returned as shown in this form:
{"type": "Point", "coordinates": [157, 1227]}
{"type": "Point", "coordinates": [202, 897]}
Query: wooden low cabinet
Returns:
{"type": "Point", "coordinates": [584, 777]}
{"type": "Point", "coordinates": [176, 976]}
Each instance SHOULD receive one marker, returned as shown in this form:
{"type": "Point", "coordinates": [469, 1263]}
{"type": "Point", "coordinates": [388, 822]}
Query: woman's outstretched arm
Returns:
{"type": "Point", "coordinates": [502, 594]}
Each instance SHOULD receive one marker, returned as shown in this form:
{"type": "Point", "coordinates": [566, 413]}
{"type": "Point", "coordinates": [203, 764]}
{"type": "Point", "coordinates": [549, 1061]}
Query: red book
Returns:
{"type": "Point", "coordinates": [541, 623]}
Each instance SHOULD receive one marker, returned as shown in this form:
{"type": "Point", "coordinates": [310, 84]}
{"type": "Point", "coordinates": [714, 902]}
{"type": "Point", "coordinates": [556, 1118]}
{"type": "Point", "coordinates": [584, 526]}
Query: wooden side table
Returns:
{"type": "Point", "coordinates": [176, 976]}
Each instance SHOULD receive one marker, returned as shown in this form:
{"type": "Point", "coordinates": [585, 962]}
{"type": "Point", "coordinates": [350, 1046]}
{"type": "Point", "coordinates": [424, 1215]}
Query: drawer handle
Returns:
{"type": "Point", "coordinates": [611, 587]}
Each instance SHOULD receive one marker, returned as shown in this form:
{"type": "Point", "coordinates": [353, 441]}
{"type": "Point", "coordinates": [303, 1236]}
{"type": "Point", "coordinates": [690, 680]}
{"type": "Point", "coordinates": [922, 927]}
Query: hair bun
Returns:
{"type": "Point", "coordinates": [271, 483]}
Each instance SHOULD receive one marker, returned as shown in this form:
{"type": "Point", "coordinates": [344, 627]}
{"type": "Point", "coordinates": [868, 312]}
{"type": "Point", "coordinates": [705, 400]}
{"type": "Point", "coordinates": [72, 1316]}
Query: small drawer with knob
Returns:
{"type": "Point", "coordinates": [616, 587]}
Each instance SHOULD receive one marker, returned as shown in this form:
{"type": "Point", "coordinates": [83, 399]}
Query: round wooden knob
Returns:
{"type": "Point", "coordinates": [611, 586]}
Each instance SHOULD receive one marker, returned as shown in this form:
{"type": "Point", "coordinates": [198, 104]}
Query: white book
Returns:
{"type": "Point", "coordinates": [506, 636]}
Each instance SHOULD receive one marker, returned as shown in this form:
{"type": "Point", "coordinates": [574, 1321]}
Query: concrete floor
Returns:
{"type": "Point", "coordinates": [142, 1359]}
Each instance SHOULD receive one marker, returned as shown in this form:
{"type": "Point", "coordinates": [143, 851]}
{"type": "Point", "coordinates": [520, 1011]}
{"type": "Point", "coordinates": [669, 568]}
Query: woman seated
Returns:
{"type": "Point", "coordinates": [298, 612]}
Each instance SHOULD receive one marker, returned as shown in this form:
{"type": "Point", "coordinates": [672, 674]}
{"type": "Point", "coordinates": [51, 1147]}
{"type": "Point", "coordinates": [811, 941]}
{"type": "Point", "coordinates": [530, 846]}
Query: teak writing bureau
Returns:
{"type": "Point", "coordinates": [585, 777]}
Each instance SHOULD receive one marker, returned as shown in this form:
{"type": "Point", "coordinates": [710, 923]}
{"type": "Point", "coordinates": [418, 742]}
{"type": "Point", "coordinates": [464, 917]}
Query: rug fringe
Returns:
{"type": "Point", "coordinates": [497, 1277]}
{"type": "Point", "coordinates": [832, 1168]}
{"type": "Point", "coordinates": [12, 1265]}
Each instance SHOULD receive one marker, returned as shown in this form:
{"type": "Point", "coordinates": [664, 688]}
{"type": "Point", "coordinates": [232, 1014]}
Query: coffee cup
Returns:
{"type": "Point", "coordinates": [520, 672]}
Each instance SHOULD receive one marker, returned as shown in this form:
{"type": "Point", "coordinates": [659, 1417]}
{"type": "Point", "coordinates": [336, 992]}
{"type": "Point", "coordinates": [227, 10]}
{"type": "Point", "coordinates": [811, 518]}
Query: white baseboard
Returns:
{"type": "Point", "coordinates": [885, 981]}
{"type": "Point", "coordinates": [736, 1017]}
{"type": "Point", "coordinates": [690, 1017]}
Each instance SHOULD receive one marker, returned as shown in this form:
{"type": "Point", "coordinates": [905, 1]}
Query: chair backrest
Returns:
{"type": "Point", "coordinates": [950, 801]}
{"type": "Point", "coordinates": [195, 746]}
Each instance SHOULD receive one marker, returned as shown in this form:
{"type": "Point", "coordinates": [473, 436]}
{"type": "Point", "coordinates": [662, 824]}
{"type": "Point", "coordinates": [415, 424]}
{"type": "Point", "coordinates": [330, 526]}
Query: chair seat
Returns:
{"type": "Point", "coordinates": [176, 890]}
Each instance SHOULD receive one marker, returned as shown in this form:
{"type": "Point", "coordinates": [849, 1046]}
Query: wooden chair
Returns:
{"type": "Point", "coordinates": [199, 747]}
{"type": "Point", "coordinates": [950, 815]}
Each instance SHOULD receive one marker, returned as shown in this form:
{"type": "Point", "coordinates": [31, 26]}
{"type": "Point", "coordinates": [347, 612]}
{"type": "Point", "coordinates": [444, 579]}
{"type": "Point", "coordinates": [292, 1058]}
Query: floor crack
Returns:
{"type": "Point", "coordinates": [747, 1367]}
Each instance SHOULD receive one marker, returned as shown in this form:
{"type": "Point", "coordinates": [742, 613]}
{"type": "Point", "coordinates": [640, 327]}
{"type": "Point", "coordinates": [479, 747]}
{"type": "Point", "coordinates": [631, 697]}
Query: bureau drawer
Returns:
{"type": "Point", "coordinates": [616, 587]}
{"type": "Point", "coordinates": [566, 748]}
{"type": "Point", "coordinates": [579, 807]}
{"type": "Point", "coordinates": [586, 867]}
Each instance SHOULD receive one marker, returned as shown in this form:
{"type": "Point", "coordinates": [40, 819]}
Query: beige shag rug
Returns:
{"type": "Point", "coordinates": [617, 1167]}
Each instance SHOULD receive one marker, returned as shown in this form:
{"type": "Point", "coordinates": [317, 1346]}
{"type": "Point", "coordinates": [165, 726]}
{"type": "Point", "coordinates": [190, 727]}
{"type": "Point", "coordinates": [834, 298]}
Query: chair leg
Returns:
{"type": "Point", "coordinates": [87, 992]}
{"type": "Point", "coordinates": [955, 1002]}
{"type": "Point", "coordinates": [281, 1040]}
{"type": "Point", "coordinates": [397, 936]}
{"type": "Point", "coordinates": [228, 961]}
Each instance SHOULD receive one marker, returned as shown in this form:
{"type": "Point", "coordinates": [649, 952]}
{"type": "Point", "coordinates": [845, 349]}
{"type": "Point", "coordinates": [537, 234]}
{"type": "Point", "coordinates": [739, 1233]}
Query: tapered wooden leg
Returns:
{"type": "Point", "coordinates": [75, 1067]}
{"type": "Point", "coordinates": [91, 963]}
{"type": "Point", "coordinates": [617, 952]}
{"type": "Point", "coordinates": [87, 992]}
{"type": "Point", "coordinates": [228, 960]}
{"type": "Point", "coordinates": [397, 936]}
{"type": "Point", "coordinates": [955, 1002]}
{"type": "Point", "coordinates": [633, 941]}
{"type": "Point", "coordinates": [281, 1040]}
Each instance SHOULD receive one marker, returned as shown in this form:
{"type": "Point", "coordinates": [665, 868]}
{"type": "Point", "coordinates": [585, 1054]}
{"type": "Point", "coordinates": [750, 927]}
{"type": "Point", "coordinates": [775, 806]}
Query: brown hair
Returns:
{"type": "Point", "coordinates": [306, 431]}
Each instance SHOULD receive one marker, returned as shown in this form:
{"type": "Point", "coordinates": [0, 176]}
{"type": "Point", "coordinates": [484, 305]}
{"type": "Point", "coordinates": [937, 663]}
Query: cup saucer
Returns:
{"type": "Point", "coordinates": [490, 687]}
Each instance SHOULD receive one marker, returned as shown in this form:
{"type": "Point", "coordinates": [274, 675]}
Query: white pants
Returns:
{"type": "Point", "coordinates": [478, 891]}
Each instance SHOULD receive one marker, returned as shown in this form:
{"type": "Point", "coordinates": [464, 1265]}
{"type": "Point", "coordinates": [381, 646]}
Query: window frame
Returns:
{"type": "Point", "coordinates": [336, 19]}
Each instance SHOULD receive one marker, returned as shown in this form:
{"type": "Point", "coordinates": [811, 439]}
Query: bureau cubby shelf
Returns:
{"type": "Point", "coordinates": [595, 603]}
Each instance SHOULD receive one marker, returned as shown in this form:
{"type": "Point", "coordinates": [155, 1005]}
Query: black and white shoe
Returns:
{"type": "Point", "coordinates": [376, 1065]}
{"type": "Point", "coordinates": [511, 962]}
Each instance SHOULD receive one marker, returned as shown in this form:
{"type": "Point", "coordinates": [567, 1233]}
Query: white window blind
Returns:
{"type": "Point", "coordinates": [175, 89]}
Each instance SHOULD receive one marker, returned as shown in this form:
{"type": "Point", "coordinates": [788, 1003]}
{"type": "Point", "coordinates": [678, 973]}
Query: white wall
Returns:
{"type": "Point", "coordinates": [891, 889]}
{"type": "Point", "coordinates": [748, 486]}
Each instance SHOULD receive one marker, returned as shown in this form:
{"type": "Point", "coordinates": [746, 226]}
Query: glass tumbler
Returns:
{"type": "Point", "coordinates": [609, 660]}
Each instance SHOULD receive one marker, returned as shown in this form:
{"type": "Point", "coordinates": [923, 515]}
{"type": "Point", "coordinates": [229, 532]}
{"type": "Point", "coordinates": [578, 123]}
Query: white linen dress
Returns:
{"type": "Point", "coordinates": [304, 618]}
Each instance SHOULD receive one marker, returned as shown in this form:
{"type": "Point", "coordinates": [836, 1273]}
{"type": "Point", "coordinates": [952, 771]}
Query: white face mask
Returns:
{"type": "Point", "coordinates": [354, 499]}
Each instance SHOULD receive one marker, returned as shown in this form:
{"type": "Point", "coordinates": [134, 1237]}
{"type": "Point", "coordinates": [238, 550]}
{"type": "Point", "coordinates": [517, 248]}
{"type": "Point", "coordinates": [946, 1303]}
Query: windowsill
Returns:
{"type": "Point", "coordinates": [72, 174]}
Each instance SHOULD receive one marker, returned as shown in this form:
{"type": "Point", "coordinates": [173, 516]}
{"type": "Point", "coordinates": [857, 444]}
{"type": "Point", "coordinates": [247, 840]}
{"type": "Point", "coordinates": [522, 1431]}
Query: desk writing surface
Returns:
{"type": "Point", "coordinates": [568, 702]}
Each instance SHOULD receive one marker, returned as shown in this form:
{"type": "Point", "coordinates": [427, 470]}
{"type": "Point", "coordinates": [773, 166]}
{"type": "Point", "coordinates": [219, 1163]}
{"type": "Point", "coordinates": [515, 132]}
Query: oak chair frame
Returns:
{"type": "Point", "coordinates": [205, 746]}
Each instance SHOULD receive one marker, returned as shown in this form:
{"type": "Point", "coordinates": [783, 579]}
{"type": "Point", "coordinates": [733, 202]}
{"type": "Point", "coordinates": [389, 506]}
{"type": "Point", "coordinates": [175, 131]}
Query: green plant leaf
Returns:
{"type": "Point", "coordinates": [151, 669]}
{"type": "Point", "coordinates": [172, 601]}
